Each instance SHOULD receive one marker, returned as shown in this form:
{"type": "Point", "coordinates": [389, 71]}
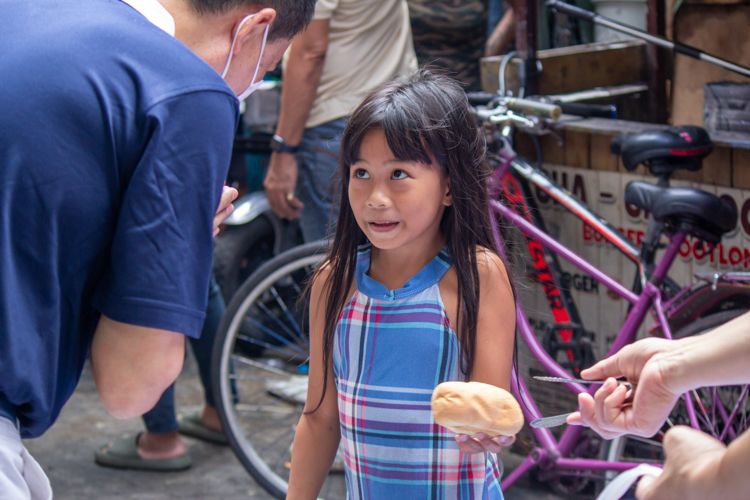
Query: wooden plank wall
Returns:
{"type": "Point", "coordinates": [576, 68]}
{"type": "Point", "coordinates": [720, 30]}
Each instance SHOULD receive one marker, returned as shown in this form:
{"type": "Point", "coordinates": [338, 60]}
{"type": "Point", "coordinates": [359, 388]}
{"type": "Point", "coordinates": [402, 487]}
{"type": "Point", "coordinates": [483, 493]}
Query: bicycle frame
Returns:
{"type": "Point", "coordinates": [552, 453]}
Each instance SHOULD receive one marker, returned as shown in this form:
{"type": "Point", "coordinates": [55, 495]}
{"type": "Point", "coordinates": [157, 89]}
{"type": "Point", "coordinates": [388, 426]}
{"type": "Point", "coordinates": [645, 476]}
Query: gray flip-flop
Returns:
{"type": "Point", "coordinates": [190, 425]}
{"type": "Point", "coordinates": [123, 454]}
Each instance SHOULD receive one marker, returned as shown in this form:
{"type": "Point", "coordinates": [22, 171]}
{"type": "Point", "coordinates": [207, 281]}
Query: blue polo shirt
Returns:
{"type": "Point", "coordinates": [115, 141]}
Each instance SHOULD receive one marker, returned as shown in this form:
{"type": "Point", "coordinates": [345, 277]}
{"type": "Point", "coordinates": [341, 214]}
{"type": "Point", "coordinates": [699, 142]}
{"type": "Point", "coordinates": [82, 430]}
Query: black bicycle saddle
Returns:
{"type": "Point", "coordinates": [664, 150]}
{"type": "Point", "coordinates": [698, 213]}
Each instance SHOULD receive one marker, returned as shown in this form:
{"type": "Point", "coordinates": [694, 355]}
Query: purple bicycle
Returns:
{"type": "Point", "coordinates": [678, 213]}
{"type": "Point", "coordinates": [260, 356]}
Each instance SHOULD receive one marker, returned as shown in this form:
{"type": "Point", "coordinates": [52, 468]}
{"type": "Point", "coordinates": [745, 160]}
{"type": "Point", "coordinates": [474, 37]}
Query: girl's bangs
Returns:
{"type": "Point", "coordinates": [405, 134]}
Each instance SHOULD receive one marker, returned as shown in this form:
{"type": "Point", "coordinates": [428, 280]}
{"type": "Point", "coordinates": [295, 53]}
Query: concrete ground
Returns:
{"type": "Point", "coordinates": [66, 454]}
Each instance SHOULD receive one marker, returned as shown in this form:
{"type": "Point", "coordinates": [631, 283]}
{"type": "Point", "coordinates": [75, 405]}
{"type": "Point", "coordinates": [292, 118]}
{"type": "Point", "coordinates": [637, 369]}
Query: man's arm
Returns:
{"type": "Point", "coordinates": [301, 77]}
{"type": "Point", "coordinates": [133, 365]}
{"type": "Point", "coordinates": [503, 34]}
{"type": "Point", "coordinates": [663, 370]}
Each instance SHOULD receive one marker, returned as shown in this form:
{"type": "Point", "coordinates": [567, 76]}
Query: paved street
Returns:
{"type": "Point", "coordinates": [66, 454]}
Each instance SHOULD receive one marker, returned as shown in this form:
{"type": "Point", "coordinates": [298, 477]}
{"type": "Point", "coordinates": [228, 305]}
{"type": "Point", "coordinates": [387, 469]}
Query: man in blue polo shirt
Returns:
{"type": "Point", "coordinates": [115, 140]}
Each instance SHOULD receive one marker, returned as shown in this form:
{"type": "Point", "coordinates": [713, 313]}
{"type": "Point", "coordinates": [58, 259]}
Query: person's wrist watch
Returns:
{"type": "Point", "coordinates": [278, 145]}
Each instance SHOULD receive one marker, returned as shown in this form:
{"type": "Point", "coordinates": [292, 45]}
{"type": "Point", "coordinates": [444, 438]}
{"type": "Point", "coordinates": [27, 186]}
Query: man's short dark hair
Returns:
{"type": "Point", "coordinates": [292, 16]}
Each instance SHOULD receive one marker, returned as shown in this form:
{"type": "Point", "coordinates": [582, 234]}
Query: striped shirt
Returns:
{"type": "Point", "coordinates": [391, 348]}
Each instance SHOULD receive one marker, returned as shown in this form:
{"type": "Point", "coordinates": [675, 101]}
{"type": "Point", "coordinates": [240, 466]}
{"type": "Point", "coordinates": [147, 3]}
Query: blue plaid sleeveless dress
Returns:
{"type": "Point", "coordinates": [391, 348]}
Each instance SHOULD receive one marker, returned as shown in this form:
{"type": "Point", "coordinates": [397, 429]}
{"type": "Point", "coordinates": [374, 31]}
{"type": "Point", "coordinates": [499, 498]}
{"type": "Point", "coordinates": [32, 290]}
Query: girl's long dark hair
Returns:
{"type": "Point", "coordinates": [424, 115]}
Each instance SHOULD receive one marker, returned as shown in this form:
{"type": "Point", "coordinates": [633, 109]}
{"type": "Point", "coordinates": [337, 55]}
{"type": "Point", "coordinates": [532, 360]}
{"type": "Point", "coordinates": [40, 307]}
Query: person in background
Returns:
{"type": "Point", "coordinates": [455, 34]}
{"type": "Point", "coordinates": [698, 466]}
{"type": "Point", "coordinates": [350, 47]}
{"type": "Point", "coordinates": [116, 139]}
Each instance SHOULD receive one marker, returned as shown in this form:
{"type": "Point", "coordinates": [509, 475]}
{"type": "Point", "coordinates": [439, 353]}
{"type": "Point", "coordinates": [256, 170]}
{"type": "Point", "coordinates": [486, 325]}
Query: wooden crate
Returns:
{"type": "Point", "coordinates": [576, 68]}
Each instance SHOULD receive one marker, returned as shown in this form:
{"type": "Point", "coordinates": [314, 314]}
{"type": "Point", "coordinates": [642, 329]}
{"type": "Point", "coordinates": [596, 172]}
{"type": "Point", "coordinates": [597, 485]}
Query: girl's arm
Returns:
{"type": "Point", "coordinates": [496, 330]}
{"type": "Point", "coordinates": [496, 323]}
{"type": "Point", "coordinates": [318, 434]}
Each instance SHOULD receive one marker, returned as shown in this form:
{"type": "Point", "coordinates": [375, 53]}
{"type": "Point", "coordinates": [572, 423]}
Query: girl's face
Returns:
{"type": "Point", "coordinates": [397, 204]}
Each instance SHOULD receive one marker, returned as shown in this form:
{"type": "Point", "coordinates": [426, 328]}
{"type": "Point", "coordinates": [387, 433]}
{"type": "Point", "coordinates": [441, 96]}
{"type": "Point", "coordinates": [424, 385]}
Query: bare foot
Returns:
{"type": "Point", "coordinates": [168, 445]}
{"type": "Point", "coordinates": [210, 418]}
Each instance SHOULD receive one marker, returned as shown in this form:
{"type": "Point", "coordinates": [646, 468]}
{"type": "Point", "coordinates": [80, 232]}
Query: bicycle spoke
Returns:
{"type": "Point", "coordinates": [263, 432]}
{"type": "Point", "coordinates": [266, 409]}
{"type": "Point", "coordinates": [275, 442]}
{"type": "Point", "coordinates": [288, 314]}
{"type": "Point", "coordinates": [275, 423]}
{"type": "Point", "coordinates": [276, 320]}
{"type": "Point", "coordinates": [281, 351]}
{"type": "Point", "coordinates": [273, 334]}
{"type": "Point", "coordinates": [729, 420]}
{"type": "Point", "coordinates": [284, 450]}
{"type": "Point", "coordinates": [252, 378]}
{"type": "Point", "coordinates": [705, 417]}
{"type": "Point", "coordinates": [262, 366]}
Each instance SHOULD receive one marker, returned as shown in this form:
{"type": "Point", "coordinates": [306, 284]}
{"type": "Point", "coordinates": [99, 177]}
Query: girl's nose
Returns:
{"type": "Point", "coordinates": [378, 198]}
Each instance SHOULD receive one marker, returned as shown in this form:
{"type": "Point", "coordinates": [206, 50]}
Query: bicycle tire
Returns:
{"type": "Point", "coordinates": [239, 251]}
{"type": "Point", "coordinates": [620, 449]}
{"type": "Point", "coordinates": [258, 406]}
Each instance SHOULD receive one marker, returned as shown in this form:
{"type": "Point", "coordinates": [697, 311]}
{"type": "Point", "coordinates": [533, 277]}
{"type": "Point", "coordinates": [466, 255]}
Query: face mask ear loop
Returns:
{"type": "Point", "coordinates": [262, 47]}
{"type": "Point", "coordinates": [234, 40]}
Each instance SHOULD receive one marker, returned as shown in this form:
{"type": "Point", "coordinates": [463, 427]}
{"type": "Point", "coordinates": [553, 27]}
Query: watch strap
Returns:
{"type": "Point", "coordinates": [278, 145]}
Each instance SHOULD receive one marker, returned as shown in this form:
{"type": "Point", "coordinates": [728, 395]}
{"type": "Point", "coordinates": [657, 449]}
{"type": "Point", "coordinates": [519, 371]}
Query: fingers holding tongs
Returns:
{"type": "Point", "coordinates": [554, 421]}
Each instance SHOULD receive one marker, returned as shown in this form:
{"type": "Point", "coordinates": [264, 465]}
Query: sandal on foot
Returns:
{"type": "Point", "coordinates": [123, 454]}
{"type": "Point", "coordinates": [190, 424]}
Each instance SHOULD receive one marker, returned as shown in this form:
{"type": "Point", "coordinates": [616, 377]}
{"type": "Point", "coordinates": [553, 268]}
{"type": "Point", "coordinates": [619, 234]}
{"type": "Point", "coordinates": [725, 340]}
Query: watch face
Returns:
{"type": "Point", "coordinates": [275, 145]}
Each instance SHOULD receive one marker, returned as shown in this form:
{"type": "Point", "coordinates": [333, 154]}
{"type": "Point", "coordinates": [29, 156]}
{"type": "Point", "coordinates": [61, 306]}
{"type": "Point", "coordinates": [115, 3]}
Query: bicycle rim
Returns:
{"type": "Point", "coordinates": [263, 352]}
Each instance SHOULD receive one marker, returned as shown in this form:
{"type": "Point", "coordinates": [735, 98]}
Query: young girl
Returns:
{"type": "Point", "coordinates": [413, 294]}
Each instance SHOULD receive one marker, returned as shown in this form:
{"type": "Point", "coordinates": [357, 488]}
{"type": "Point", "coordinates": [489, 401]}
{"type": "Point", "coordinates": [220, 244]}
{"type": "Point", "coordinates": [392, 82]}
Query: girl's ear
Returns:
{"type": "Point", "coordinates": [447, 196]}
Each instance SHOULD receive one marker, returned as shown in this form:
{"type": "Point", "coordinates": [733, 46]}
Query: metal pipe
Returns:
{"type": "Point", "coordinates": [677, 47]}
{"type": "Point", "coordinates": [556, 246]}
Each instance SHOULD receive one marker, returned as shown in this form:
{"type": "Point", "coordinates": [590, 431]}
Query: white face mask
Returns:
{"type": "Point", "coordinates": [253, 85]}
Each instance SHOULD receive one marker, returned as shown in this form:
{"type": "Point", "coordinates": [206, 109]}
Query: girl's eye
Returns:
{"type": "Point", "coordinates": [361, 174]}
{"type": "Point", "coordinates": [400, 174]}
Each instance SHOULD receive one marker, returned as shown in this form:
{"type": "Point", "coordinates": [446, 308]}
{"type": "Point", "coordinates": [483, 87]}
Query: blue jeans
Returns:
{"type": "Point", "coordinates": [317, 184]}
{"type": "Point", "coordinates": [162, 419]}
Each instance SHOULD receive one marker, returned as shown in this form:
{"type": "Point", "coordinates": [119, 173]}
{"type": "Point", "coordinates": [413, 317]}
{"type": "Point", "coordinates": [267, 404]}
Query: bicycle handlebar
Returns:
{"type": "Point", "coordinates": [536, 108]}
{"type": "Point", "coordinates": [589, 110]}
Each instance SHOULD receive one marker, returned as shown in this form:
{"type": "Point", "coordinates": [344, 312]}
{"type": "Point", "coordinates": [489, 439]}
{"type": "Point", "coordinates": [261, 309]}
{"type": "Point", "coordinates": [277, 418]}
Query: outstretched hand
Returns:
{"type": "Point", "coordinates": [482, 443]}
{"type": "Point", "coordinates": [607, 412]}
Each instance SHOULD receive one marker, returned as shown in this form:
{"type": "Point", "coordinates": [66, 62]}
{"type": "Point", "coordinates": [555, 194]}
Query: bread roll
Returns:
{"type": "Point", "coordinates": [473, 407]}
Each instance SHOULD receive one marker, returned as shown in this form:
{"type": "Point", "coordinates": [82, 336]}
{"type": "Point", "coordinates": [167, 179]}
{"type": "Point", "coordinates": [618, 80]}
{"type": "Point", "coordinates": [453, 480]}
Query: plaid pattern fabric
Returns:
{"type": "Point", "coordinates": [392, 348]}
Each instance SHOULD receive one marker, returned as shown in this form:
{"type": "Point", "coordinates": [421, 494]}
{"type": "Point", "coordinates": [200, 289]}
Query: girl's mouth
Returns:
{"type": "Point", "coordinates": [383, 227]}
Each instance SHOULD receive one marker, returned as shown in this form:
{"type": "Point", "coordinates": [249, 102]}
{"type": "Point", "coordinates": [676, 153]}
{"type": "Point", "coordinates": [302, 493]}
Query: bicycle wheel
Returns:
{"type": "Point", "coordinates": [260, 363]}
{"type": "Point", "coordinates": [723, 412]}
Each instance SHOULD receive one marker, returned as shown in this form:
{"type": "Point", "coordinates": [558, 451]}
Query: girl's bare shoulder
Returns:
{"type": "Point", "coordinates": [322, 284]}
{"type": "Point", "coordinates": [491, 267]}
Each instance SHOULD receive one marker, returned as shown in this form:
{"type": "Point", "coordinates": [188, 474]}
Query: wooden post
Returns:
{"type": "Point", "coordinates": [657, 62]}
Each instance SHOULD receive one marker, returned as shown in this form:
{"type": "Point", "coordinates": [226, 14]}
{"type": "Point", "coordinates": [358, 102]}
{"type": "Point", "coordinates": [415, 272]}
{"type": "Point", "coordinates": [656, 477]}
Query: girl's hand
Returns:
{"type": "Point", "coordinates": [482, 443]}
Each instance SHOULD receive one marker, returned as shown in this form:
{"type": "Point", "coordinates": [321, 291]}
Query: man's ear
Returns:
{"type": "Point", "coordinates": [448, 195]}
{"type": "Point", "coordinates": [252, 28]}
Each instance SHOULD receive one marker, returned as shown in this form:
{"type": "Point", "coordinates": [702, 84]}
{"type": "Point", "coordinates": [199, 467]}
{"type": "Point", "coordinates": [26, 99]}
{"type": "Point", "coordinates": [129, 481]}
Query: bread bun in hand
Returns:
{"type": "Point", "coordinates": [473, 407]}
